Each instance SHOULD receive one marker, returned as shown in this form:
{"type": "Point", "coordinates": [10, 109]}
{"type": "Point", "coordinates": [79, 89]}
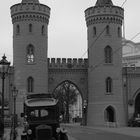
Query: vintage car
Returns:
{"type": "Point", "coordinates": [41, 117]}
{"type": "Point", "coordinates": [134, 122]}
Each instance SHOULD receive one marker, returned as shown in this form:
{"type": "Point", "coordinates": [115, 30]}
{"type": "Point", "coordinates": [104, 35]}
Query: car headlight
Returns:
{"type": "Point", "coordinates": [29, 131]}
{"type": "Point", "coordinates": [58, 130]}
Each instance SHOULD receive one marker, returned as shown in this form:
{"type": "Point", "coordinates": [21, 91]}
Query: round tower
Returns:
{"type": "Point", "coordinates": [105, 90]}
{"type": "Point", "coordinates": [30, 47]}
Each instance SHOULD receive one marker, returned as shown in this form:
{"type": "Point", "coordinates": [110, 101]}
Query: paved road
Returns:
{"type": "Point", "coordinates": [81, 133]}
{"type": "Point", "coordinates": [90, 133]}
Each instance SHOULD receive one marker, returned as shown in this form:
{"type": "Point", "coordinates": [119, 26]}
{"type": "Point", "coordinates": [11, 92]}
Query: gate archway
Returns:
{"type": "Point", "coordinates": [70, 101]}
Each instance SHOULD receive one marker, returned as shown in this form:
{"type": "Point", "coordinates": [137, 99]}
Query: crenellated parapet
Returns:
{"type": "Point", "coordinates": [30, 11]}
{"type": "Point", "coordinates": [65, 63]}
{"type": "Point", "coordinates": [104, 14]}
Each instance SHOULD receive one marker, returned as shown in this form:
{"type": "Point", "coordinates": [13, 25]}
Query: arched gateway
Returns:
{"type": "Point", "coordinates": [70, 101]}
{"type": "Point", "coordinates": [35, 72]}
{"type": "Point", "coordinates": [73, 73]}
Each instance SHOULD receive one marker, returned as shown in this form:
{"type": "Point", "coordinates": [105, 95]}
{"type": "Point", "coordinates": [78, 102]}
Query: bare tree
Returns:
{"type": "Point", "coordinates": [66, 95]}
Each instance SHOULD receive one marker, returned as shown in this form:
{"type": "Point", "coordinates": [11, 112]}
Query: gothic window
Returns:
{"type": "Point", "coordinates": [17, 29]}
{"type": "Point", "coordinates": [30, 28]}
{"type": "Point", "coordinates": [119, 32]}
{"type": "Point", "coordinates": [108, 83]}
{"type": "Point", "coordinates": [43, 30]}
{"type": "Point", "coordinates": [94, 31]}
{"type": "Point", "coordinates": [107, 30]}
{"type": "Point", "coordinates": [30, 53]}
{"type": "Point", "coordinates": [30, 84]}
{"type": "Point", "coordinates": [108, 54]}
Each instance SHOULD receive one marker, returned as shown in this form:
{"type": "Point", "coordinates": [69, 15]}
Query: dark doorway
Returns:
{"type": "Point", "coordinates": [137, 105]}
{"type": "Point", "coordinates": [109, 114]}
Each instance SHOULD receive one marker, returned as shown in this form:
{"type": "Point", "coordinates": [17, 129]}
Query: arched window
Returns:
{"type": "Point", "coordinates": [17, 29]}
{"type": "Point", "coordinates": [30, 84]}
{"type": "Point", "coordinates": [30, 53]}
{"type": "Point", "coordinates": [43, 30]}
{"type": "Point", "coordinates": [94, 31]}
{"type": "Point", "coordinates": [107, 30]}
{"type": "Point", "coordinates": [109, 114]}
{"type": "Point", "coordinates": [119, 32]}
{"type": "Point", "coordinates": [108, 54]}
{"type": "Point", "coordinates": [108, 83]}
{"type": "Point", "coordinates": [30, 28]}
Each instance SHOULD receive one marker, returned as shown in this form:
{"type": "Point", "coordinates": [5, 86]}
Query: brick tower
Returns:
{"type": "Point", "coordinates": [105, 95]}
{"type": "Point", "coordinates": [30, 48]}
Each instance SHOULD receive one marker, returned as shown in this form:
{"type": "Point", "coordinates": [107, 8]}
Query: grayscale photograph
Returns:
{"type": "Point", "coordinates": [70, 70]}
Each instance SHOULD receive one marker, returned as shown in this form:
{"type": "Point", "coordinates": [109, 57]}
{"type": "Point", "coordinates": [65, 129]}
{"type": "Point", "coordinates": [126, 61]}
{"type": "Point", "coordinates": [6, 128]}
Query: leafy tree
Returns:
{"type": "Point", "coordinates": [66, 93]}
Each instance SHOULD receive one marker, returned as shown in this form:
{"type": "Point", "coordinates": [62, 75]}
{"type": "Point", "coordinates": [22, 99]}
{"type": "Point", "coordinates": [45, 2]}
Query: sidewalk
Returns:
{"type": "Point", "coordinates": [8, 130]}
{"type": "Point", "coordinates": [130, 131]}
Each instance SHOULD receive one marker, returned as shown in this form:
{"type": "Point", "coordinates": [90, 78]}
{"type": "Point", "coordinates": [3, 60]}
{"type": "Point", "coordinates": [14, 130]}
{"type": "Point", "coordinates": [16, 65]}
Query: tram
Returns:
{"type": "Point", "coordinates": [41, 117]}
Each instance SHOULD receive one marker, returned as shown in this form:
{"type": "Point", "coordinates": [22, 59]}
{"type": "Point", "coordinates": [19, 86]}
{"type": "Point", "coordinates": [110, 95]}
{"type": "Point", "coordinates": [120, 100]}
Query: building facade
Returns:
{"type": "Point", "coordinates": [105, 91]}
{"type": "Point", "coordinates": [131, 53]}
{"type": "Point", "coordinates": [109, 92]}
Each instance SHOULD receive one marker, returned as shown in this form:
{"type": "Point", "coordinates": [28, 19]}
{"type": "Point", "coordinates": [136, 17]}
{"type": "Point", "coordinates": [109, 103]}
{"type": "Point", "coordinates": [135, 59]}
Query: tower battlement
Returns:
{"type": "Point", "coordinates": [30, 11]}
{"type": "Point", "coordinates": [103, 14]}
{"type": "Point", "coordinates": [67, 63]}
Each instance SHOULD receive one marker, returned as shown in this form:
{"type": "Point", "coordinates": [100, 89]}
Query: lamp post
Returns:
{"type": "Point", "coordinates": [14, 93]}
{"type": "Point", "coordinates": [4, 66]}
{"type": "Point", "coordinates": [126, 90]}
{"type": "Point", "coordinates": [85, 111]}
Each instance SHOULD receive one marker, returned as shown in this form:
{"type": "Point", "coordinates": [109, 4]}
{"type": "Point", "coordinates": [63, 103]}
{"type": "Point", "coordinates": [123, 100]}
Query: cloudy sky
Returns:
{"type": "Point", "coordinates": [67, 35]}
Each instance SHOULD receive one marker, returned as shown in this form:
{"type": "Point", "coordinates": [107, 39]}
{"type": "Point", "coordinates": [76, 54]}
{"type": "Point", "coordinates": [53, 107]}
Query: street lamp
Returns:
{"type": "Point", "coordinates": [14, 93]}
{"type": "Point", "coordinates": [4, 66]}
{"type": "Point", "coordinates": [85, 111]}
{"type": "Point", "coordinates": [126, 90]}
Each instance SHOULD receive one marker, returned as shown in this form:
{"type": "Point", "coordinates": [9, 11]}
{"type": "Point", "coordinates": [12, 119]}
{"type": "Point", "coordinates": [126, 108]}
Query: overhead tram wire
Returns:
{"type": "Point", "coordinates": [135, 36]}
{"type": "Point", "coordinates": [41, 60]}
{"type": "Point", "coordinates": [93, 42]}
{"type": "Point", "coordinates": [123, 3]}
{"type": "Point", "coordinates": [98, 38]}
{"type": "Point", "coordinates": [99, 35]}
{"type": "Point", "coordinates": [102, 62]}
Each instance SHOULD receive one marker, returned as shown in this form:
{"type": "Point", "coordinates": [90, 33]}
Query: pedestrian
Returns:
{"type": "Point", "coordinates": [63, 134]}
{"type": "Point", "coordinates": [58, 133]}
{"type": "Point", "coordinates": [1, 129]}
{"type": "Point", "coordinates": [6, 135]}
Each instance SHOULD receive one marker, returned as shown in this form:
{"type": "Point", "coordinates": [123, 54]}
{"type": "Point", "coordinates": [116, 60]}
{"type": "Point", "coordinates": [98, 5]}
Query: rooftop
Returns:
{"type": "Point", "coordinates": [104, 3]}
{"type": "Point", "coordinates": [30, 1]}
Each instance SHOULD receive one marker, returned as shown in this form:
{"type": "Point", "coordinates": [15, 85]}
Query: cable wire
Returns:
{"type": "Point", "coordinates": [123, 3]}
{"type": "Point", "coordinates": [102, 62]}
{"type": "Point", "coordinates": [99, 35]}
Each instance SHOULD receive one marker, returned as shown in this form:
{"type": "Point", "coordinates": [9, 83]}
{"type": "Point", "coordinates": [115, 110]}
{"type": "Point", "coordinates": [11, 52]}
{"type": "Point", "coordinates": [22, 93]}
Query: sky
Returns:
{"type": "Point", "coordinates": [67, 35]}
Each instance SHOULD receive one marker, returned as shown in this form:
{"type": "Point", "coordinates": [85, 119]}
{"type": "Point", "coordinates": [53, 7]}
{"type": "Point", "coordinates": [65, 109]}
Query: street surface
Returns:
{"type": "Point", "coordinates": [77, 132]}
{"type": "Point", "coordinates": [84, 133]}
